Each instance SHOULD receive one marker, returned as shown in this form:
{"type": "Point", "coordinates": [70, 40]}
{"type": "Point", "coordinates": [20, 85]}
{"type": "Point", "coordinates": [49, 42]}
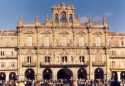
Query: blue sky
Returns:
{"type": "Point", "coordinates": [11, 10]}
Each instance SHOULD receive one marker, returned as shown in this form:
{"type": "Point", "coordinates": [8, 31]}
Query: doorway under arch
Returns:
{"type": "Point", "coordinates": [47, 74]}
{"type": "Point", "coordinates": [82, 73]}
{"type": "Point", "coordinates": [2, 76]}
{"type": "Point", "coordinates": [12, 76]}
{"type": "Point", "coordinates": [114, 75]}
{"type": "Point", "coordinates": [30, 74]}
{"type": "Point", "coordinates": [122, 75]}
{"type": "Point", "coordinates": [65, 74]}
{"type": "Point", "coordinates": [99, 73]}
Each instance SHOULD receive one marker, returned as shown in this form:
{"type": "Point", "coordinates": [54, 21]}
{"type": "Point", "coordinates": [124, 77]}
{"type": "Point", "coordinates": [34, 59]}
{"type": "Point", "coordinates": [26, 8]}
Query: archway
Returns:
{"type": "Point", "coordinates": [63, 17]}
{"type": "Point", "coordinates": [2, 76]}
{"type": "Point", "coordinates": [114, 75]}
{"type": "Point", "coordinates": [122, 75]}
{"type": "Point", "coordinates": [82, 74]}
{"type": "Point", "coordinates": [65, 74]}
{"type": "Point", "coordinates": [47, 74]}
{"type": "Point", "coordinates": [12, 76]}
{"type": "Point", "coordinates": [99, 73]}
{"type": "Point", "coordinates": [30, 74]}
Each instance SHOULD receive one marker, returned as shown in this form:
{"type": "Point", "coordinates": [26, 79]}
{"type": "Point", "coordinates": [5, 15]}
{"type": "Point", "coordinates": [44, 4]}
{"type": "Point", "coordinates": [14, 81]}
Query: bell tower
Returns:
{"type": "Point", "coordinates": [63, 13]}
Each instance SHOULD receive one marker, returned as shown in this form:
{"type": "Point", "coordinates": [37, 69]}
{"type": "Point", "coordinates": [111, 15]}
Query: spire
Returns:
{"type": "Point", "coordinates": [37, 21]}
{"type": "Point", "coordinates": [47, 18]}
{"type": "Point", "coordinates": [105, 21]}
{"type": "Point", "coordinates": [21, 21]}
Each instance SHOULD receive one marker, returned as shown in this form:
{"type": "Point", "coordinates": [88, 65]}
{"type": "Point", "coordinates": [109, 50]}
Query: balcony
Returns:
{"type": "Point", "coordinates": [101, 45]}
{"type": "Point", "coordinates": [99, 63]}
{"type": "Point", "coordinates": [117, 56]}
{"type": "Point", "coordinates": [117, 67]}
{"type": "Point", "coordinates": [42, 65]}
{"type": "Point", "coordinates": [8, 57]}
{"type": "Point", "coordinates": [26, 64]}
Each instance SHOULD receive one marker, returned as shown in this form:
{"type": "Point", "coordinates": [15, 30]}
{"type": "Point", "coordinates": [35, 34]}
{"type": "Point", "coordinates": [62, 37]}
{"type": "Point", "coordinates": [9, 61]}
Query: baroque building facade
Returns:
{"type": "Point", "coordinates": [62, 48]}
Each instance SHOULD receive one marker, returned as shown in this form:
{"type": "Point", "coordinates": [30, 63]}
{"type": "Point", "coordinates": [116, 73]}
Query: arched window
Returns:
{"type": "Point", "coordinates": [63, 17]}
{"type": "Point", "coordinates": [56, 18]}
{"type": "Point", "coordinates": [29, 59]}
{"type": "Point", "coordinates": [81, 59]}
{"type": "Point", "coordinates": [64, 59]}
{"type": "Point", "coordinates": [71, 18]}
{"type": "Point", "coordinates": [47, 59]}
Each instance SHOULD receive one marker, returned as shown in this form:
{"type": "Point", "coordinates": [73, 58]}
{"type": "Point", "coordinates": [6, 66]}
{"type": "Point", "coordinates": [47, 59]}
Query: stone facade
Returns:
{"type": "Point", "coordinates": [62, 42]}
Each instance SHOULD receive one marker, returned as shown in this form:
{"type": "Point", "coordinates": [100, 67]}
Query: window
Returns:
{"type": "Point", "coordinates": [12, 64]}
{"type": "Point", "coordinates": [63, 18]}
{"type": "Point", "coordinates": [2, 53]}
{"type": "Point", "coordinates": [113, 52]}
{"type": "Point", "coordinates": [29, 59]}
{"type": "Point", "coordinates": [64, 41]}
{"type": "Point", "coordinates": [81, 41]}
{"type": "Point", "coordinates": [29, 41]}
{"type": "Point", "coordinates": [2, 64]}
{"type": "Point", "coordinates": [12, 53]}
{"type": "Point", "coordinates": [98, 41]}
{"type": "Point", "coordinates": [112, 63]}
{"type": "Point", "coordinates": [46, 41]}
{"type": "Point", "coordinates": [56, 18]}
{"type": "Point", "coordinates": [81, 59]}
{"type": "Point", "coordinates": [71, 18]}
{"type": "Point", "coordinates": [47, 59]}
{"type": "Point", "coordinates": [64, 59]}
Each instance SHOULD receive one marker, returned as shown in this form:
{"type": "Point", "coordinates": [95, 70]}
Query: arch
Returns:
{"type": "Point", "coordinates": [71, 18]}
{"type": "Point", "coordinates": [2, 76]}
{"type": "Point", "coordinates": [56, 18]}
{"type": "Point", "coordinates": [30, 74]}
{"type": "Point", "coordinates": [47, 74]}
{"type": "Point", "coordinates": [12, 76]}
{"type": "Point", "coordinates": [65, 74]}
{"type": "Point", "coordinates": [63, 17]}
{"type": "Point", "coordinates": [82, 73]}
{"type": "Point", "coordinates": [114, 75]}
{"type": "Point", "coordinates": [122, 75]}
{"type": "Point", "coordinates": [99, 73]}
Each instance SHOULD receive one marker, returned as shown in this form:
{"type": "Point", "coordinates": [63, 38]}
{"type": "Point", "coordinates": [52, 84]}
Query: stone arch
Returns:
{"type": "Point", "coordinates": [63, 17]}
{"type": "Point", "coordinates": [2, 76]}
{"type": "Point", "coordinates": [30, 74]}
{"type": "Point", "coordinates": [12, 76]}
{"type": "Point", "coordinates": [47, 74]}
{"type": "Point", "coordinates": [122, 75]}
{"type": "Point", "coordinates": [65, 74]}
{"type": "Point", "coordinates": [114, 75]}
{"type": "Point", "coordinates": [82, 73]}
{"type": "Point", "coordinates": [99, 73]}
